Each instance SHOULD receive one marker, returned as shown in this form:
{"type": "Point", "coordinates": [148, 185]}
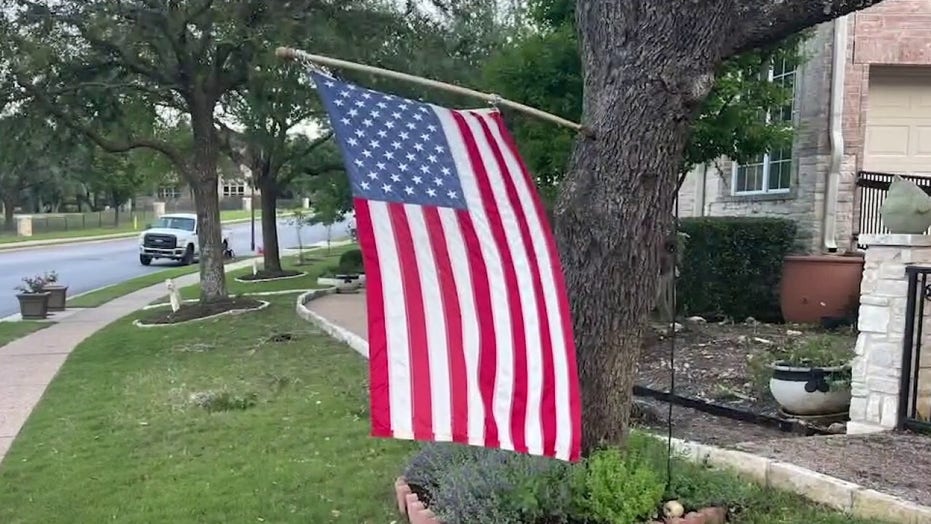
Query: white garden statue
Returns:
{"type": "Point", "coordinates": [907, 208]}
{"type": "Point", "coordinates": [255, 267]}
{"type": "Point", "coordinates": [174, 294]}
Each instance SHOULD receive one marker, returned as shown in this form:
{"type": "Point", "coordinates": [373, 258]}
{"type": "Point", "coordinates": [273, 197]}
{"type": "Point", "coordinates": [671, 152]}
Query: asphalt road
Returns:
{"type": "Point", "coordinates": [88, 266]}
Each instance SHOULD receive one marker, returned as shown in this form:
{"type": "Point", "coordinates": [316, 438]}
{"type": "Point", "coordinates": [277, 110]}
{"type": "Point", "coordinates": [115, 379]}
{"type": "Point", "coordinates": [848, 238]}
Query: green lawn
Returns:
{"type": "Point", "coordinates": [10, 331]}
{"type": "Point", "coordinates": [122, 229]}
{"type": "Point", "coordinates": [104, 295]}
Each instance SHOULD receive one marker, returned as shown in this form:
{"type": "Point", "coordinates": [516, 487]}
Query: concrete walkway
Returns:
{"type": "Point", "coordinates": [29, 364]}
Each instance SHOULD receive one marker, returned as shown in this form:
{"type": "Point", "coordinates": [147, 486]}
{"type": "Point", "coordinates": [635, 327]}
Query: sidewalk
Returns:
{"type": "Point", "coordinates": [29, 364]}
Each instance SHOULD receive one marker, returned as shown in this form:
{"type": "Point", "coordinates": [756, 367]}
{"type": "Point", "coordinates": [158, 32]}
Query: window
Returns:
{"type": "Point", "coordinates": [771, 172]}
{"type": "Point", "coordinates": [233, 189]}
{"type": "Point", "coordinates": [169, 193]}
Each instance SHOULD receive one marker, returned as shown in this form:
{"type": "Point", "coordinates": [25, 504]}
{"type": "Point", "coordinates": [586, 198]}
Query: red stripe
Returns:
{"type": "Point", "coordinates": [575, 408]}
{"type": "Point", "coordinates": [452, 314]}
{"type": "Point", "coordinates": [487, 347]}
{"type": "Point", "coordinates": [548, 398]}
{"type": "Point", "coordinates": [421, 400]}
{"type": "Point", "coordinates": [519, 342]}
{"type": "Point", "coordinates": [379, 386]}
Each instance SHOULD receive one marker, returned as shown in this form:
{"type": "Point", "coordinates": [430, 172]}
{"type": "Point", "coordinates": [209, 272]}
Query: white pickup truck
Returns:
{"type": "Point", "coordinates": [173, 236]}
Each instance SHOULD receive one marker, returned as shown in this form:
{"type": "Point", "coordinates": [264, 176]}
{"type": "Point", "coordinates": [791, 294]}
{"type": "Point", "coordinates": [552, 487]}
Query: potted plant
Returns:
{"type": "Point", "coordinates": [811, 377]}
{"type": "Point", "coordinates": [58, 294]}
{"type": "Point", "coordinates": [33, 298]}
{"type": "Point", "coordinates": [335, 277]}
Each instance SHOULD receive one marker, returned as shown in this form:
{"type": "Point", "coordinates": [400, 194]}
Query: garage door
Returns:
{"type": "Point", "coordinates": [898, 123]}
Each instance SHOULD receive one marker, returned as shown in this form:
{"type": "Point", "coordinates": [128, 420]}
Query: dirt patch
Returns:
{"type": "Point", "coordinates": [694, 425]}
{"type": "Point", "coordinates": [197, 311]}
{"type": "Point", "coordinates": [894, 463]}
{"type": "Point", "coordinates": [715, 362]}
{"type": "Point", "coordinates": [270, 275]}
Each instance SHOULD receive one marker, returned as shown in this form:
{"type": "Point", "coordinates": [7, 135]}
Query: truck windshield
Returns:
{"type": "Point", "coordinates": [186, 224]}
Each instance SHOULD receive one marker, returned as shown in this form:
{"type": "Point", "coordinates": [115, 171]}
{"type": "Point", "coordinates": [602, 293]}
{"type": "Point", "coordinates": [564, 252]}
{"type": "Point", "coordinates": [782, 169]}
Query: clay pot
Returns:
{"type": "Point", "coordinates": [818, 286]}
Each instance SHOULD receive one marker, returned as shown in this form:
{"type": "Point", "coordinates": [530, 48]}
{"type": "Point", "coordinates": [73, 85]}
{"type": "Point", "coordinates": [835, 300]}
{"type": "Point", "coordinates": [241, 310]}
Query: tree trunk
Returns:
{"type": "Point", "coordinates": [647, 67]}
{"type": "Point", "coordinates": [269, 197]}
{"type": "Point", "coordinates": [9, 224]}
{"type": "Point", "coordinates": [204, 181]}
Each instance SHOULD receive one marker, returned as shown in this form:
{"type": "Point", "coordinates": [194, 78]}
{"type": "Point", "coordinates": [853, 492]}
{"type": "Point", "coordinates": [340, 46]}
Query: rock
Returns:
{"type": "Point", "coordinates": [673, 509]}
{"type": "Point", "coordinates": [696, 320]}
{"type": "Point", "coordinates": [762, 341]}
{"type": "Point", "coordinates": [793, 333]}
{"type": "Point", "coordinates": [714, 515]}
{"type": "Point", "coordinates": [838, 428]}
{"type": "Point", "coordinates": [751, 321]}
{"type": "Point", "coordinates": [645, 413]}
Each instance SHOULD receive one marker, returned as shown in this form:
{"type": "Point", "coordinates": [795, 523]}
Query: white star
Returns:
{"type": "Point", "coordinates": [388, 155]}
{"type": "Point", "coordinates": [351, 87]}
{"type": "Point", "coordinates": [367, 154]}
{"type": "Point", "coordinates": [386, 188]}
{"type": "Point", "coordinates": [431, 192]}
{"type": "Point", "coordinates": [367, 123]}
{"type": "Point", "coordinates": [375, 144]}
{"type": "Point", "coordinates": [402, 107]}
{"type": "Point", "coordinates": [439, 149]}
{"type": "Point", "coordinates": [404, 135]}
{"type": "Point", "coordinates": [344, 94]}
{"type": "Point", "coordinates": [424, 169]}
{"type": "Point", "coordinates": [431, 127]}
{"type": "Point", "coordinates": [389, 124]}
{"type": "Point", "coordinates": [411, 156]}
{"type": "Point", "coordinates": [381, 165]}
{"type": "Point", "coordinates": [365, 186]}
{"type": "Point", "coordinates": [423, 109]}
{"type": "Point", "coordinates": [395, 178]}
{"type": "Point", "coordinates": [418, 147]}
{"type": "Point", "coordinates": [396, 116]}
{"type": "Point", "coordinates": [425, 137]}
{"type": "Point", "coordinates": [382, 133]}
{"type": "Point", "coordinates": [352, 112]}
{"type": "Point", "coordinates": [373, 175]}
{"type": "Point", "coordinates": [359, 163]}
{"type": "Point", "coordinates": [417, 180]}
{"type": "Point", "coordinates": [432, 159]}
{"type": "Point", "coordinates": [366, 95]}
{"type": "Point", "coordinates": [402, 167]}
{"type": "Point", "coordinates": [451, 194]}
{"type": "Point", "coordinates": [352, 141]}
{"type": "Point", "coordinates": [360, 133]}
{"type": "Point", "coordinates": [438, 181]}
{"type": "Point", "coordinates": [329, 83]}
{"type": "Point", "coordinates": [396, 145]}
{"type": "Point", "coordinates": [411, 126]}
{"type": "Point", "coordinates": [445, 171]}
{"type": "Point", "coordinates": [346, 121]}
{"type": "Point", "coordinates": [418, 117]}
{"type": "Point", "coordinates": [338, 102]}
{"type": "Point", "coordinates": [375, 114]}
{"type": "Point", "coordinates": [360, 103]}
{"type": "Point", "coordinates": [409, 190]}
{"type": "Point", "coordinates": [381, 105]}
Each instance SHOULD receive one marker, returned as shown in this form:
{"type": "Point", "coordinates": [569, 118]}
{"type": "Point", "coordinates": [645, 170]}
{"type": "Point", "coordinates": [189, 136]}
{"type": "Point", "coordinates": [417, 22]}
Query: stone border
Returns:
{"type": "Point", "coordinates": [835, 493]}
{"type": "Point", "coordinates": [299, 275]}
{"type": "Point", "coordinates": [264, 304]}
{"type": "Point", "coordinates": [410, 506]}
{"type": "Point", "coordinates": [252, 294]}
{"type": "Point", "coordinates": [357, 343]}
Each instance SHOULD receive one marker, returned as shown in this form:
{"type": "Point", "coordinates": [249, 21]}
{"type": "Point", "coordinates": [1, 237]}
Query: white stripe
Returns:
{"type": "Point", "coordinates": [437, 349]}
{"type": "Point", "coordinates": [551, 300]}
{"type": "Point", "coordinates": [399, 371]}
{"type": "Point", "coordinates": [533, 428]}
{"type": "Point", "coordinates": [504, 346]}
{"type": "Point", "coordinates": [459, 260]}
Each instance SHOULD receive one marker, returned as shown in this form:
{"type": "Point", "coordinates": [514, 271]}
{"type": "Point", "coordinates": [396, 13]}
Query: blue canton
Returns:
{"type": "Point", "coordinates": [394, 148]}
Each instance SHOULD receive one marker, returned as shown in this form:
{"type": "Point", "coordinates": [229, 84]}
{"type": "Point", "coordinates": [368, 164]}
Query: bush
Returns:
{"type": "Point", "coordinates": [351, 261]}
{"type": "Point", "coordinates": [732, 266]}
{"type": "Point", "coordinates": [619, 488]}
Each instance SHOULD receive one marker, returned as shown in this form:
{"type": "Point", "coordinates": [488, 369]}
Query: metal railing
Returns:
{"type": "Point", "coordinates": [915, 385]}
{"type": "Point", "coordinates": [873, 187]}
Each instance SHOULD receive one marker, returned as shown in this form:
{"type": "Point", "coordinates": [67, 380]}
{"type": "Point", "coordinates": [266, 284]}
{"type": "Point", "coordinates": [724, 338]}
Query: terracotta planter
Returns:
{"type": "Point", "coordinates": [818, 286]}
{"type": "Point", "coordinates": [58, 296]}
{"type": "Point", "coordinates": [33, 306]}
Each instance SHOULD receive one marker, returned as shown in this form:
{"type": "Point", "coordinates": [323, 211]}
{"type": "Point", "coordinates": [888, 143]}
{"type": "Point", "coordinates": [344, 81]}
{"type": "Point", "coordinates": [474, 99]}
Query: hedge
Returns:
{"type": "Point", "coordinates": [732, 266]}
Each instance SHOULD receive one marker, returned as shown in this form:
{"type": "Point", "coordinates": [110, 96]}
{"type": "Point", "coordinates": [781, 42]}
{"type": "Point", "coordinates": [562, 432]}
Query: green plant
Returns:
{"type": "Point", "coordinates": [51, 277]}
{"type": "Point", "coordinates": [619, 488]}
{"type": "Point", "coordinates": [351, 262]}
{"type": "Point", "coordinates": [823, 350]}
{"type": "Point", "coordinates": [32, 285]}
{"type": "Point", "coordinates": [732, 266]}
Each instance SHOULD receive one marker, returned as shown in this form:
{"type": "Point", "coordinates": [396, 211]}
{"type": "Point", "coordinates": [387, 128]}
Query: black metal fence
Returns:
{"type": "Point", "coordinates": [873, 188]}
{"type": "Point", "coordinates": [915, 387]}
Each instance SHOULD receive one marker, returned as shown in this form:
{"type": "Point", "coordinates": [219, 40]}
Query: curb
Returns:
{"type": "Point", "coordinates": [851, 498]}
{"type": "Point", "coordinates": [299, 275]}
{"type": "Point", "coordinates": [357, 343]}
{"type": "Point", "coordinates": [264, 304]}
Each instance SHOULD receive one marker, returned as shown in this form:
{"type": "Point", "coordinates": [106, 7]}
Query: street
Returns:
{"type": "Point", "coordinates": [86, 266]}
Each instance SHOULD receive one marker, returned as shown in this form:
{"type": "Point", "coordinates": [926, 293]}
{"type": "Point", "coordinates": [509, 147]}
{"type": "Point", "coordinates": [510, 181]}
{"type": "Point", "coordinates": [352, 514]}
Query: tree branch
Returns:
{"type": "Point", "coordinates": [762, 22]}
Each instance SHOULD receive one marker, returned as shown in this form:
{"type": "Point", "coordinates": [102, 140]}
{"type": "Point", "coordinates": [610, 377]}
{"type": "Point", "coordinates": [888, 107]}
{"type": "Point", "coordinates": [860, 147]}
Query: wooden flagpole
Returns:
{"type": "Point", "coordinates": [296, 54]}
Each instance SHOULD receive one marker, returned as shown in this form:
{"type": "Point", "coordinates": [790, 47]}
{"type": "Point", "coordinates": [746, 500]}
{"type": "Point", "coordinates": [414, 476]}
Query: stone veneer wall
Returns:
{"type": "Point", "coordinates": [877, 368]}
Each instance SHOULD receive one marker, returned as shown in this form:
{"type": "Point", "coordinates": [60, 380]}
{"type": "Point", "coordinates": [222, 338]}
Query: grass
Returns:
{"type": "Point", "coordinates": [10, 331]}
{"type": "Point", "coordinates": [208, 422]}
{"type": "Point", "coordinates": [106, 294]}
{"type": "Point", "coordinates": [125, 228]}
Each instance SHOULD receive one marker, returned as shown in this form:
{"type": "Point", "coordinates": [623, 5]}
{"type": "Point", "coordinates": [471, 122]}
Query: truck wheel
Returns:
{"type": "Point", "coordinates": [188, 257]}
{"type": "Point", "coordinates": [145, 260]}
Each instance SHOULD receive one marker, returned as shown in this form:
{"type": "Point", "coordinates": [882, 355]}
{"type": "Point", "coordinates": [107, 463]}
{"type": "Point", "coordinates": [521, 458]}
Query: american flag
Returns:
{"type": "Point", "coordinates": [470, 336]}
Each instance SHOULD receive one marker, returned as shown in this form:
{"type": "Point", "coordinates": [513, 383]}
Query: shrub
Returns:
{"type": "Point", "coordinates": [732, 266]}
{"type": "Point", "coordinates": [619, 488]}
{"type": "Point", "coordinates": [351, 261]}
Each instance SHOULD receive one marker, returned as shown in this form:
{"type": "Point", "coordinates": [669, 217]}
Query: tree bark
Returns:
{"type": "Point", "coordinates": [204, 181]}
{"type": "Point", "coordinates": [269, 197]}
{"type": "Point", "coordinates": [9, 224]}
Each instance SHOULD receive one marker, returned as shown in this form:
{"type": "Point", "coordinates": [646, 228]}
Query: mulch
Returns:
{"type": "Point", "coordinates": [894, 463]}
{"type": "Point", "coordinates": [196, 311]}
{"type": "Point", "coordinates": [270, 275]}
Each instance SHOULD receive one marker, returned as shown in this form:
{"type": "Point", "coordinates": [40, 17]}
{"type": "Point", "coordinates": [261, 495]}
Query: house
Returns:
{"type": "Point", "coordinates": [235, 192]}
{"type": "Point", "coordinates": [862, 104]}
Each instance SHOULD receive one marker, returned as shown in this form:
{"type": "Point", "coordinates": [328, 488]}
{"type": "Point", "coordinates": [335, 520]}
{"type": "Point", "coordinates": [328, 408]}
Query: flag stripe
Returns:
{"type": "Point", "coordinates": [495, 366]}
{"type": "Point", "coordinates": [518, 398]}
{"type": "Point", "coordinates": [393, 323]}
{"type": "Point", "coordinates": [545, 401]}
{"type": "Point", "coordinates": [478, 334]}
{"type": "Point", "coordinates": [379, 385]}
{"type": "Point", "coordinates": [421, 400]}
{"type": "Point", "coordinates": [436, 325]}
{"type": "Point", "coordinates": [567, 384]}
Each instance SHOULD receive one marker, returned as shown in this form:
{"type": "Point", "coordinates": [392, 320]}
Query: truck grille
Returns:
{"type": "Point", "coordinates": [159, 241]}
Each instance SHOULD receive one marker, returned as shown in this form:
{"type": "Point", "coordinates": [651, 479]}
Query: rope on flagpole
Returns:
{"type": "Point", "coordinates": [302, 56]}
